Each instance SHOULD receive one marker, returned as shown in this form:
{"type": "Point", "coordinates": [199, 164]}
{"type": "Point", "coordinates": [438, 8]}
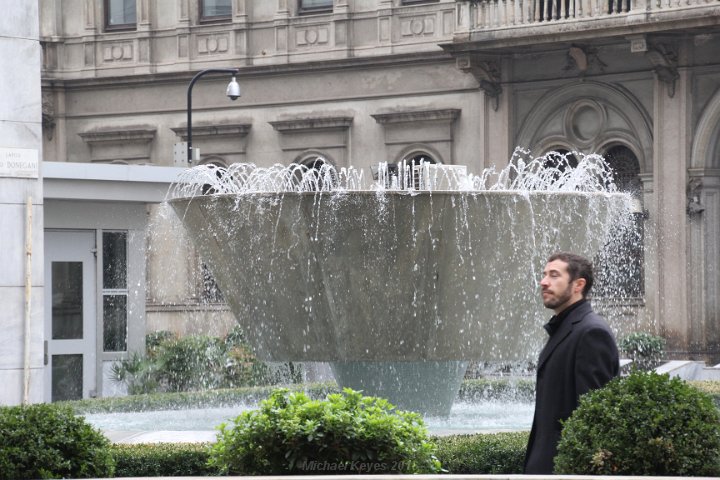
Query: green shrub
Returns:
{"type": "Point", "coordinates": [644, 349]}
{"type": "Point", "coordinates": [346, 433]}
{"type": "Point", "coordinates": [49, 441]}
{"type": "Point", "coordinates": [497, 453]}
{"type": "Point", "coordinates": [198, 362]}
{"type": "Point", "coordinates": [162, 460]}
{"type": "Point", "coordinates": [643, 424]}
{"type": "Point", "coordinates": [483, 389]}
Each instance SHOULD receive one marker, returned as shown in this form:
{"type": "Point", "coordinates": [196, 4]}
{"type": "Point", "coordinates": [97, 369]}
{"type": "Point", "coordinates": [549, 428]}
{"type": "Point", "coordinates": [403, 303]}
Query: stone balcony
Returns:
{"type": "Point", "coordinates": [497, 25]}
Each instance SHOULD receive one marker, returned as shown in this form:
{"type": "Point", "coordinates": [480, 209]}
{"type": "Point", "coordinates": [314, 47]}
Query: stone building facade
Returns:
{"type": "Point", "coordinates": [364, 81]}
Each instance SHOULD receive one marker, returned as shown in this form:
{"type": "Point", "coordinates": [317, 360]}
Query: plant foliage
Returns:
{"type": "Point", "coordinates": [197, 362]}
{"type": "Point", "coordinates": [643, 424]}
{"type": "Point", "coordinates": [346, 433]}
{"type": "Point", "coordinates": [49, 441]}
{"type": "Point", "coordinates": [162, 460]}
{"type": "Point", "coordinates": [496, 453]}
{"type": "Point", "coordinates": [644, 349]}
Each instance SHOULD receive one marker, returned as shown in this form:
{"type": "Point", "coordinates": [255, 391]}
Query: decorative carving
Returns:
{"type": "Point", "coordinates": [584, 58]}
{"type": "Point", "coordinates": [638, 44]}
{"type": "Point", "coordinates": [117, 51]}
{"type": "Point", "coordinates": [48, 114]}
{"type": "Point", "coordinates": [417, 26]}
{"type": "Point", "coordinates": [664, 61]}
{"type": "Point", "coordinates": [312, 36]}
{"type": "Point", "coordinates": [583, 122]}
{"type": "Point", "coordinates": [212, 44]}
{"type": "Point", "coordinates": [694, 189]}
{"type": "Point", "coordinates": [486, 72]}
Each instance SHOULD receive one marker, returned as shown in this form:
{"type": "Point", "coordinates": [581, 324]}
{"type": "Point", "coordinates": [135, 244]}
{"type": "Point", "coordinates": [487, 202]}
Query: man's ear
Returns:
{"type": "Point", "coordinates": [579, 284]}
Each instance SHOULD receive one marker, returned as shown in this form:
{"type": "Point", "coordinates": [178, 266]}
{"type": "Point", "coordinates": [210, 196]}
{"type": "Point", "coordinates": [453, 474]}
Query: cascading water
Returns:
{"type": "Point", "coordinates": [399, 280]}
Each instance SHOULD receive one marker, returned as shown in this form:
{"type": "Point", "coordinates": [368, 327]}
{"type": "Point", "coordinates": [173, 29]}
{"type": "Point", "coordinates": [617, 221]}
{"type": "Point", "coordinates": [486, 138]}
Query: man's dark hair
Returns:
{"type": "Point", "coordinates": [578, 267]}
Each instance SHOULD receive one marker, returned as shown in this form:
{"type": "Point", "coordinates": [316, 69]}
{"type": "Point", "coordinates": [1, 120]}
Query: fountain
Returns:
{"type": "Point", "coordinates": [397, 282]}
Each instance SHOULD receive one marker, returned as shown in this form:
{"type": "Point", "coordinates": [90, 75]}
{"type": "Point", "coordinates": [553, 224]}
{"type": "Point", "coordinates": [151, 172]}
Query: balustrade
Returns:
{"type": "Point", "coordinates": [495, 14]}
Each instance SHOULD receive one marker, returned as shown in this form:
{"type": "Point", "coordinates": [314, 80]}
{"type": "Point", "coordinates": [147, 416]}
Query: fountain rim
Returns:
{"type": "Point", "coordinates": [404, 193]}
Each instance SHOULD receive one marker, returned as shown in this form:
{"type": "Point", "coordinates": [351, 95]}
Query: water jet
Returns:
{"type": "Point", "coordinates": [396, 284]}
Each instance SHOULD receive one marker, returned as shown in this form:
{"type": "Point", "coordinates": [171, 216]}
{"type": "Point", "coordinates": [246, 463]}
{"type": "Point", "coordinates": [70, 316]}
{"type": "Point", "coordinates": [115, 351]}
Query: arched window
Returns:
{"type": "Point", "coordinates": [315, 173]}
{"type": "Point", "coordinates": [626, 169]}
{"type": "Point", "coordinates": [626, 278]}
{"type": "Point", "coordinates": [561, 159]}
{"type": "Point", "coordinates": [416, 159]}
{"type": "Point", "coordinates": [208, 189]}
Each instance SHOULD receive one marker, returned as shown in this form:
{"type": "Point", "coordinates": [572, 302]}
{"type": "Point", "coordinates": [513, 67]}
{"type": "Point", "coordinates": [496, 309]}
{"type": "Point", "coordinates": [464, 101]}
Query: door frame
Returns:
{"type": "Point", "coordinates": [69, 245]}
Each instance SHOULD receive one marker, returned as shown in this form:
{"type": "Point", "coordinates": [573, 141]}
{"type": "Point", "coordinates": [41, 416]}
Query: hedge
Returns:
{"type": "Point", "coordinates": [492, 453]}
{"type": "Point", "coordinates": [162, 460]}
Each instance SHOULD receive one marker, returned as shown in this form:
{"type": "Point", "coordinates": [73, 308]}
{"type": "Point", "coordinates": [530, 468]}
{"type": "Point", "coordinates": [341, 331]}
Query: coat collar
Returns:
{"type": "Point", "coordinates": [563, 330]}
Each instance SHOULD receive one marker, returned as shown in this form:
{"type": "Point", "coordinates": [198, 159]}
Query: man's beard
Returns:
{"type": "Point", "coordinates": [553, 303]}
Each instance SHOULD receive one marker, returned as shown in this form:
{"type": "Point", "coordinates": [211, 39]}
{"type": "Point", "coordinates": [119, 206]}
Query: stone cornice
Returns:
{"type": "Point", "coordinates": [136, 134]}
{"type": "Point", "coordinates": [233, 129]}
{"type": "Point", "coordinates": [407, 116]}
{"type": "Point", "coordinates": [312, 123]}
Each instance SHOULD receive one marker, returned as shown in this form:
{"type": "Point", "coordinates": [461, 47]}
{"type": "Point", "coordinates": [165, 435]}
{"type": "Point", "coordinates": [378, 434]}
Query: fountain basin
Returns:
{"type": "Point", "coordinates": [392, 276]}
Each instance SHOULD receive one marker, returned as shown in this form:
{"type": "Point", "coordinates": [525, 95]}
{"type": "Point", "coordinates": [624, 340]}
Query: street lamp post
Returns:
{"type": "Point", "coordinates": [233, 92]}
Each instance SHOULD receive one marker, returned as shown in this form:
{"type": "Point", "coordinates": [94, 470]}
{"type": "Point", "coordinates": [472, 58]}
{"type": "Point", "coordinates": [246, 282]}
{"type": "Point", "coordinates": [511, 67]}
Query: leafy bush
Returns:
{"type": "Point", "coordinates": [643, 424]}
{"type": "Point", "coordinates": [49, 441]}
{"type": "Point", "coordinates": [162, 460]}
{"type": "Point", "coordinates": [644, 349]}
{"type": "Point", "coordinates": [197, 362]}
{"type": "Point", "coordinates": [497, 453]}
{"type": "Point", "coordinates": [483, 389]}
{"type": "Point", "coordinates": [346, 433]}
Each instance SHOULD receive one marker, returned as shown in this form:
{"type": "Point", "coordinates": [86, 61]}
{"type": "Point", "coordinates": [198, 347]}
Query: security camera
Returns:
{"type": "Point", "coordinates": [233, 89]}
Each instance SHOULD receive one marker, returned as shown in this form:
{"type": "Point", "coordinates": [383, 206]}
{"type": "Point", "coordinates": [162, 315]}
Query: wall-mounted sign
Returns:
{"type": "Point", "coordinates": [19, 162]}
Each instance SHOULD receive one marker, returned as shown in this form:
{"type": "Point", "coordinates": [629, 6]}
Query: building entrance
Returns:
{"type": "Point", "coordinates": [70, 314]}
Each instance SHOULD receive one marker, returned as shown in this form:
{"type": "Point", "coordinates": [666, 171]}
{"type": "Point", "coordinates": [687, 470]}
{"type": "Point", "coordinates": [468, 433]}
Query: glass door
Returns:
{"type": "Point", "coordinates": [70, 315]}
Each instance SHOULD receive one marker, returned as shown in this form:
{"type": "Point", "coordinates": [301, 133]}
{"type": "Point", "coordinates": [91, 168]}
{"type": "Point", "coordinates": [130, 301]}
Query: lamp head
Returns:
{"type": "Point", "coordinates": [233, 89]}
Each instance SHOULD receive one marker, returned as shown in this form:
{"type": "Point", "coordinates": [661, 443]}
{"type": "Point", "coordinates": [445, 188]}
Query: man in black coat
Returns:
{"type": "Point", "coordinates": [580, 355]}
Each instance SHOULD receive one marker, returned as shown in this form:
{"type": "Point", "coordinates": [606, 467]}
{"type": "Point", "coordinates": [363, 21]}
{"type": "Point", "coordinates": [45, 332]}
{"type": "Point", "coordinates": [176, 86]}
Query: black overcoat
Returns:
{"type": "Point", "coordinates": [580, 355]}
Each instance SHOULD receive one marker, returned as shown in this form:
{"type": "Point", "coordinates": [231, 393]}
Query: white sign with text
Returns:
{"type": "Point", "coordinates": [19, 163]}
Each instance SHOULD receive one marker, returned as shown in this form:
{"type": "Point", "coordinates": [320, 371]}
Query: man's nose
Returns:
{"type": "Point", "coordinates": [544, 282]}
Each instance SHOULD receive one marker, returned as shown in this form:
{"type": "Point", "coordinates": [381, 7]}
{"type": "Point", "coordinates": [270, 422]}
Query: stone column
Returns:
{"type": "Point", "coordinates": [21, 289]}
{"type": "Point", "coordinates": [649, 320]}
{"type": "Point", "coordinates": [703, 209]}
{"type": "Point", "coordinates": [671, 147]}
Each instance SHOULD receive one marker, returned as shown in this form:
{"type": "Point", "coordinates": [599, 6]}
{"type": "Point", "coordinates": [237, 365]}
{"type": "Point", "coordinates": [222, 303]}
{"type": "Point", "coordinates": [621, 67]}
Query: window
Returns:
{"type": "Point", "coordinates": [209, 291]}
{"type": "Point", "coordinates": [410, 2]}
{"type": "Point", "coordinates": [114, 291]}
{"type": "Point", "coordinates": [414, 162]}
{"type": "Point", "coordinates": [625, 280]}
{"type": "Point", "coordinates": [316, 6]}
{"type": "Point", "coordinates": [215, 9]}
{"type": "Point", "coordinates": [120, 14]}
{"type": "Point", "coordinates": [315, 174]}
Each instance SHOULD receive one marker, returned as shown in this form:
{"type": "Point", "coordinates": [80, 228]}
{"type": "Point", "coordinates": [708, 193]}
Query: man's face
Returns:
{"type": "Point", "coordinates": [556, 287]}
